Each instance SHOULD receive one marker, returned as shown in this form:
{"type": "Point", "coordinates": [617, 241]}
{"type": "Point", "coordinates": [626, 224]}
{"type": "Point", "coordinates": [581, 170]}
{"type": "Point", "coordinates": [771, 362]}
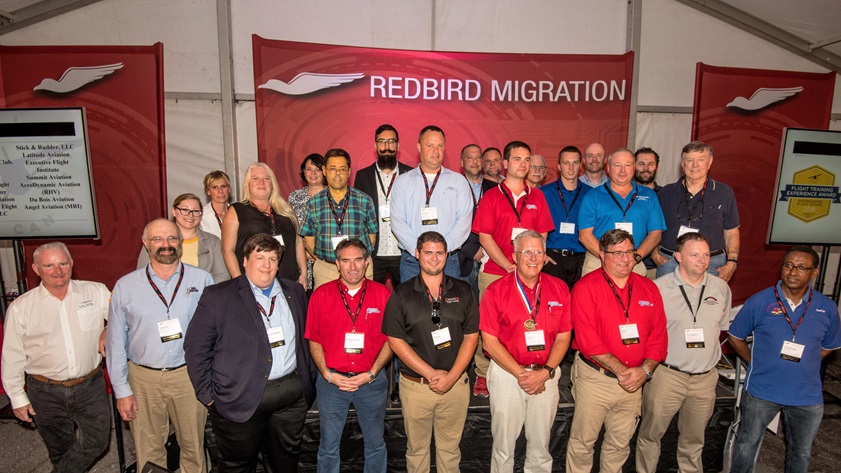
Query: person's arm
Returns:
{"type": "Point", "coordinates": [230, 228]}
{"type": "Point", "coordinates": [741, 346]}
{"type": "Point", "coordinates": [731, 245]}
{"type": "Point", "coordinates": [399, 205]}
{"type": "Point", "coordinates": [407, 355]}
{"type": "Point", "coordinates": [309, 242]}
{"type": "Point", "coordinates": [657, 257]}
{"type": "Point", "coordinates": [463, 216]}
{"type": "Point", "coordinates": [342, 382]}
{"type": "Point", "coordinates": [116, 340]}
{"type": "Point", "coordinates": [649, 243]}
{"type": "Point", "coordinates": [586, 237]}
{"type": "Point", "coordinates": [199, 344]}
{"type": "Point", "coordinates": [13, 364]}
{"type": "Point", "coordinates": [501, 356]}
{"type": "Point", "coordinates": [441, 383]}
{"type": "Point", "coordinates": [301, 259]}
{"type": "Point", "coordinates": [217, 267]}
{"type": "Point", "coordinates": [493, 251]}
{"type": "Point", "coordinates": [534, 382]}
{"type": "Point", "coordinates": [382, 358]}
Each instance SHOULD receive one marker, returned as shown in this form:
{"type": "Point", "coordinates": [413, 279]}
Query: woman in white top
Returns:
{"type": "Point", "coordinates": [217, 186]}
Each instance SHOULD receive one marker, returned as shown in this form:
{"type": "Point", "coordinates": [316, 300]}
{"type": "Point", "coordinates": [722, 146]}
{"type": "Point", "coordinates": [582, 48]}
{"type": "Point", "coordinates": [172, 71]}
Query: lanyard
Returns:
{"type": "Point", "coordinates": [271, 309]}
{"type": "Point", "coordinates": [687, 196]}
{"type": "Point", "coordinates": [430, 190]}
{"type": "Point", "coordinates": [339, 218]}
{"type": "Point", "coordinates": [689, 304]}
{"type": "Point", "coordinates": [218, 219]}
{"type": "Point", "coordinates": [440, 292]}
{"type": "Point", "coordinates": [785, 311]}
{"type": "Point", "coordinates": [522, 290]}
{"type": "Point", "coordinates": [473, 194]}
{"type": "Point", "coordinates": [387, 192]}
{"type": "Point", "coordinates": [502, 188]}
{"type": "Point", "coordinates": [269, 214]}
{"type": "Point", "coordinates": [633, 198]}
{"type": "Point", "coordinates": [353, 316]}
{"type": "Point", "coordinates": [563, 202]}
{"type": "Point", "coordinates": [613, 288]}
{"type": "Point", "coordinates": [175, 292]}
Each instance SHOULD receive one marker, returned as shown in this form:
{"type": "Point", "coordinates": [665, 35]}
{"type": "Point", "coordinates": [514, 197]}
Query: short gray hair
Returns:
{"type": "Point", "coordinates": [55, 245]}
{"type": "Point", "coordinates": [528, 234]}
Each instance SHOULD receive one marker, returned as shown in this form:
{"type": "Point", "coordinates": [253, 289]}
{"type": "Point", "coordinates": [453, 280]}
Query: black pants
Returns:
{"type": "Point", "coordinates": [384, 265]}
{"type": "Point", "coordinates": [568, 268]}
{"type": "Point", "coordinates": [275, 429]}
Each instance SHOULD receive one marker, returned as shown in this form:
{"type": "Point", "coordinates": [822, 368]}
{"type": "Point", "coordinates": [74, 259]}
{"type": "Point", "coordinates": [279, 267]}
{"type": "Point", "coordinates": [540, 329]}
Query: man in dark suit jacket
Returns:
{"type": "Point", "coordinates": [376, 181]}
{"type": "Point", "coordinates": [249, 363]}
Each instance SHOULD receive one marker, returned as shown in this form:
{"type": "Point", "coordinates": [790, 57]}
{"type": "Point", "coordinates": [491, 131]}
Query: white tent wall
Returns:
{"type": "Point", "coordinates": [673, 38]}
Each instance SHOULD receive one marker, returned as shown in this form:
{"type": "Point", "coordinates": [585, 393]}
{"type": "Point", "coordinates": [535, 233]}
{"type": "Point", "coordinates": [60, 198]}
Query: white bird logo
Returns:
{"type": "Point", "coordinates": [309, 82]}
{"type": "Point", "coordinates": [764, 97]}
{"type": "Point", "coordinates": [75, 77]}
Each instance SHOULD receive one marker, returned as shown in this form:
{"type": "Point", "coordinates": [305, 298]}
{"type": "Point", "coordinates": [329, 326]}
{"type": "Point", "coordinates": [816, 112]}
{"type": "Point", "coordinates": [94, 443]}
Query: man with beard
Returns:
{"type": "Point", "coordinates": [377, 180]}
{"type": "Point", "coordinates": [492, 164]}
{"type": "Point", "coordinates": [537, 171]}
{"type": "Point", "coordinates": [594, 166]}
{"type": "Point", "coordinates": [148, 317]}
{"type": "Point", "coordinates": [646, 162]}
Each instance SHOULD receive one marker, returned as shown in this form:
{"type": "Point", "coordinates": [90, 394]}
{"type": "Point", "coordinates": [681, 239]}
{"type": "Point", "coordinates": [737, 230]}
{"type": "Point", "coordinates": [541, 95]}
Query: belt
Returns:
{"type": "Point", "coordinates": [161, 369]}
{"type": "Point", "coordinates": [420, 380]}
{"type": "Point", "coordinates": [596, 367]}
{"type": "Point", "coordinates": [567, 252]}
{"type": "Point", "coordinates": [675, 368]}
{"type": "Point", "coordinates": [285, 377]}
{"type": "Point", "coordinates": [533, 367]}
{"type": "Point", "coordinates": [68, 383]}
{"type": "Point", "coordinates": [671, 252]}
{"type": "Point", "coordinates": [349, 374]}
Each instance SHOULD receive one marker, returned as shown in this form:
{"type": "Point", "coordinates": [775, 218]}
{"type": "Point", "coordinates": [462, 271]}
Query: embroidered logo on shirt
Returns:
{"type": "Point", "coordinates": [191, 289]}
{"type": "Point", "coordinates": [710, 300]}
{"type": "Point", "coordinates": [774, 309]}
{"type": "Point", "coordinates": [85, 305]}
{"type": "Point", "coordinates": [452, 300]}
{"type": "Point", "coordinates": [821, 311]}
{"type": "Point", "coordinates": [372, 310]}
{"type": "Point", "coordinates": [531, 207]}
{"type": "Point", "coordinates": [646, 304]}
{"type": "Point", "coordinates": [642, 197]}
{"type": "Point", "coordinates": [555, 304]}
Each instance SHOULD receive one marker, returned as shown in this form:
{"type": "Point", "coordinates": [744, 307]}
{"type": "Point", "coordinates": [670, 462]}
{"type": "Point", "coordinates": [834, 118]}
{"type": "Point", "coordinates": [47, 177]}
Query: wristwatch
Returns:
{"type": "Point", "coordinates": [732, 260]}
{"type": "Point", "coordinates": [637, 257]}
{"type": "Point", "coordinates": [647, 373]}
{"type": "Point", "coordinates": [550, 370]}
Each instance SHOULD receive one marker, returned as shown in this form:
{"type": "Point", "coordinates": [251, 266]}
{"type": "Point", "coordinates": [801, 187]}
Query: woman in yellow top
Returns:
{"type": "Point", "coordinates": [199, 248]}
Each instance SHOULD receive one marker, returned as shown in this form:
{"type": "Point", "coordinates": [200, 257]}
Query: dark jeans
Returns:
{"type": "Point", "coordinates": [801, 426]}
{"type": "Point", "coordinates": [566, 268]}
{"type": "Point", "coordinates": [275, 429]}
{"type": "Point", "coordinates": [384, 265]}
{"type": "Point", "coordinates": [60, 411]}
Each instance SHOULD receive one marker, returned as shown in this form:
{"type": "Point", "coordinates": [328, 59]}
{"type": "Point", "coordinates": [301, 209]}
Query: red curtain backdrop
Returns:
{"type": "Point", "coordinates": [746, 146]}
{"type": "Point", "coordinates": [125, 117]}
{"type": "Point", "coordinates": [548, 101]}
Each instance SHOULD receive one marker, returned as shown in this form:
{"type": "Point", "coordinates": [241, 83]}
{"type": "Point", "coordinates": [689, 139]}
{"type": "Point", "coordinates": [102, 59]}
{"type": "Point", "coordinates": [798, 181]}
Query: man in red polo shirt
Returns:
{"type": "Point", "coordinates": [504, 212]}
{"type": "Point", "coordinates": [525, 323]}
{"type": "Point", "coordinates": [349, 350]}
{"type": "Point", "coordinates": [620, 332]}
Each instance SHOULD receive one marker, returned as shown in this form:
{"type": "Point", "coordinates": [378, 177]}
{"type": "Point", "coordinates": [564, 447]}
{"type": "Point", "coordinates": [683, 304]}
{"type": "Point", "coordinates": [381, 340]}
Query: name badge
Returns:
{"type": "Point", "coordinates": [516, 231]}
{"type": "Point", "coordinates": [169, 330]}
{"type": "Point", "coordinates": [627, 226]}
{"type": "Point", "coordinates": [338, 239]}
{"type": "Point", "coordinates": [354, 342]}
{"type": "Point", "coordinates": [694, 337]}
{"type": "Point", "coordinates": [566, 228]}
{"type": "Point", "coordinates": [629, 333]}
{"type": "Point", "coordinates": [685, 229]}
{"type": "Point", "coordinates": [441, 338]}
{"type": "Point", "coordinates": [429, 216]}
{"type": "Point", "coordinates": [535, 340]}
{"type": "Point", "coordinates": [385, 213]}
{"type": "Point", "coordinates": [792, 351]}
{"type": "Point", "coordinates": [276, 337]}
{"type": "Point", "coordinates": [279, 239]}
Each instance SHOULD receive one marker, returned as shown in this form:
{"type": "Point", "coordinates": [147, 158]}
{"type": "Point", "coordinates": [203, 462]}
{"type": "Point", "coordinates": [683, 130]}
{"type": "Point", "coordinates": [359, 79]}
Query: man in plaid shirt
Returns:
{"type": "Point", "coordinates": [337, 213]}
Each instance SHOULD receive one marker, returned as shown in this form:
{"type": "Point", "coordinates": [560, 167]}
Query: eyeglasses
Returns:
{"type": "Point", "coordinates": [194, 213]}
{"type": "Point", "coordinates": [619, 254]}
{"type": "Point", "coordinates": [537, 168]}
{"type": "Point", "coordinates": [799, 267]}
{"type": "Point", "coordinates": [389, 141]}
{"type": "Point", "coordinates": [334, 170]}
{"type": "Point", "coordinates": [531, 253]}
{"type": "Point", "coordinates": [170, 239]}
{"type": "Point", "coordinates": [436, 312]}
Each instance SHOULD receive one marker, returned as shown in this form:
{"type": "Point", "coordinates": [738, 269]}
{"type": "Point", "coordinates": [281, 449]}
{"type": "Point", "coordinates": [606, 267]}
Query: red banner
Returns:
{"type": "Point", "coordinates": [121, 88]}
{"type": "Point", "coordinates": [741, 113]}
{"type": "Point", "coordinates": [313, 97]}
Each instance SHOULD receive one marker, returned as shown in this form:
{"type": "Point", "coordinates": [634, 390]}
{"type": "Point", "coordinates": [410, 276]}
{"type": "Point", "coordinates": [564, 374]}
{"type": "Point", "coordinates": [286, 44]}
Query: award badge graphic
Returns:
{"type": "Point", "coordinates": [811, 194]}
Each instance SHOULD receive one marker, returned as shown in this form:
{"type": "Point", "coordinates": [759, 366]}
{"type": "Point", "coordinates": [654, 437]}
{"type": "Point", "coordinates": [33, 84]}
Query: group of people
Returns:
{"type": "Point", "coordinates": [289, 307]}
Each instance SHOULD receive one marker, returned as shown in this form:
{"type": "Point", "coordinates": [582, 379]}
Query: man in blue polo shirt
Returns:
{"type": "Point", "coordinates": [794, 327]}
{"type": "Point", "coordinates": [564, 196]}
{"type": "Point", "coordinates": [620, 204]}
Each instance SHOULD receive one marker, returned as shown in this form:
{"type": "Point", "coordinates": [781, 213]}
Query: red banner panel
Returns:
{"type": "Point", "coordinates": [313, 97]}
{"type": "Point", "coordinates": [741, 113]}
{"type": "Point", "coordinates": [121, 89]}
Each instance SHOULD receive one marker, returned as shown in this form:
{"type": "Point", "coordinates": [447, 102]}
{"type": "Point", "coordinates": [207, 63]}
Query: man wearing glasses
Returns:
{"type": "Point", "coordinates": [335, 214]}
{"type": "Point", "coordinates": [696, 203]}
{"type": "Point", "coordinates": [794, 327]}
{"type": "Point", "coordinates": [526, 328]}
{"type": "Point", "coordinates": [620, 332]}
{"type": "Point", "coordinates": [537, 171]}
{"type": "Point", "coordinates": [432, 323]}
{"type": "Point", "coordinates": [376, 181]}
{"type": "Point", "coordinates": [148, 317]}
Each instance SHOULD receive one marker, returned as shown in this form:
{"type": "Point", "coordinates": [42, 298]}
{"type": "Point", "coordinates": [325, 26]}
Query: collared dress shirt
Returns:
{"type": "Point", "coordinates": [359, 221]}
{"type": "Point", "coordinates": [283, 357]}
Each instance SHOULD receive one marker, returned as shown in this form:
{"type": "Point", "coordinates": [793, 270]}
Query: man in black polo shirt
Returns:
{"type": "Point", "coordinates": [432, 323]}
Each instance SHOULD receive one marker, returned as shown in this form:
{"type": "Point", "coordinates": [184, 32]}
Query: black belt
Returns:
{"type": "Point", "coordinates": [675, 368]}
{"type": "Point", "coordinates": [291, 375]}
{"type": "Point", "coordinates": [567, 252]}
{"type": "Point", "coordinates": [670, 252]}
{"type": "Point", "coordinates": [596, 367]}
{"type": "Point", "coordinates": [349, 374]}
{"type": "Point", "coordinates": [161, 369]}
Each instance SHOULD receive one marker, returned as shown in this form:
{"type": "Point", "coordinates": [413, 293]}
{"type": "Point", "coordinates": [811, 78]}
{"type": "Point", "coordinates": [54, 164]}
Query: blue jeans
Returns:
{"type": "Point", "coordinates": [61, 411]}
{"type": "Point", "coordinates": [669, 266]}
{"type": "Point", "coordinates": [333, 404]}
{"type": "Point", "coordinates": [801, 426]}
{"type": "Point", "coordinates": [410, 268]}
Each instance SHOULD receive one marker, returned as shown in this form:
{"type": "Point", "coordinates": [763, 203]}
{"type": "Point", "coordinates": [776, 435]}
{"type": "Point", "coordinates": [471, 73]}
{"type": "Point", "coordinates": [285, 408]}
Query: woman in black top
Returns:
{"type": "Point", "coordinates": [263, 210]}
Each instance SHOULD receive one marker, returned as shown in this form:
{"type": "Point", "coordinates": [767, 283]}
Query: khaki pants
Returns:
{"type": "Point", "coordinates": [479, 359]}
{"type": "Point", "coordinates": [425, 413]}
{"type": "Point", "coordinates": [599, 400]}
{"type": "Point", "coordinates": [164, 397]}
{"type": "Point", "coordinates": [326, 271]}
{"type": "Point", "coordinates": [668, 392]}
{"type": "Point", "coordinates": [592, 263]}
